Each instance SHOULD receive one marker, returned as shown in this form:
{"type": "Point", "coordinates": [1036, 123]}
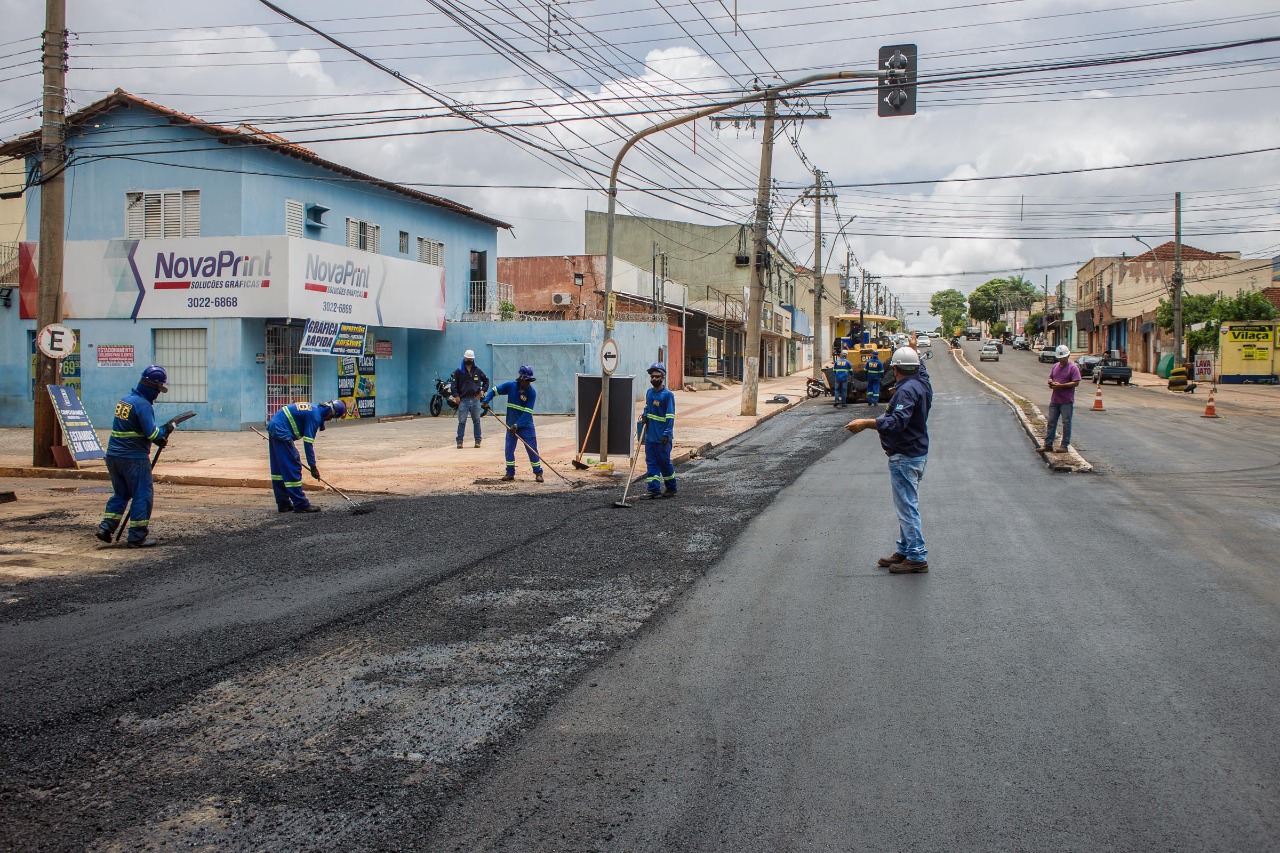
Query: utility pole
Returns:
{"type": "Point", "coordinates": [751, 363]}
{"type": "Point", "coordinates": [1177, 278]}
{"type": "Point", "coordinates": [817, 270]}
{"type": "Point", "coordinates": [52, 224]}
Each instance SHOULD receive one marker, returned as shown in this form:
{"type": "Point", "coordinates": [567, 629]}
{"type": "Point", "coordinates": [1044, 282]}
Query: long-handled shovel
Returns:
{"type": "Point", "coordinates": [622, 504]}
{"type": "Point", "coordinates": [169, 428]}
{"type": "Point", "coordinates": [573, 484]}
{"type": "Point", "coordinates": [577, 462]}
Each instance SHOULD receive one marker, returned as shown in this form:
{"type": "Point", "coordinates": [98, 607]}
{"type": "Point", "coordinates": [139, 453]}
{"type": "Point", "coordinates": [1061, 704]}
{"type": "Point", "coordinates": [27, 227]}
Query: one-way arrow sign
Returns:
{"type": "Point", "coordinates": [609, 356]}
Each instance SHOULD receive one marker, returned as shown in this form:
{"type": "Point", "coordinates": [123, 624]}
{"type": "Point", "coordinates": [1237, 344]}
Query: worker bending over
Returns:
{"type": "Point", "coordinates": [297, 421]}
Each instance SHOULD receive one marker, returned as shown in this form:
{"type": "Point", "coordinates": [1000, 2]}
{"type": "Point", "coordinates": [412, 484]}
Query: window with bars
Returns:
{"type": "Point", "coordinates": [404, 242]}
{"type": "Point", "coordinates": [364, 236]}
{"type": "Point", "coordinates": [430, 251]}
{"type": "Point", "coordinates": [184, 354]}
{"type": "Point", "coordinates": [161, 215]}
{"type": "Point", "coordinates": [294, 218]}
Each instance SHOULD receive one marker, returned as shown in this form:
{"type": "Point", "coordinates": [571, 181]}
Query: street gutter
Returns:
{"type": "Point", "coordinates": [1070, 462]}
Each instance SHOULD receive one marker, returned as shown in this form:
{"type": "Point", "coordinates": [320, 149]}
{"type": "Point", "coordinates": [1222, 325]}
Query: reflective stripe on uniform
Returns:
{"type": "Point", "coordinates": [279, 477]}
{"type": "Point", "coordinates": [138, 522]}
{"type": "Point", "coordinates": [154, 435]}
{"type": "Point", "coordinates": [112, 515]}
{"type": "Point", "coordinates": [115, 434]}
{"type": "Point", "coordinates": [511, 405]}
{"type": "Point", "coordinates": [293, 425]}
{"type": "Point", "coordinates": [296, 484]}
{"type": "Point", "coordinates": [308, 440]}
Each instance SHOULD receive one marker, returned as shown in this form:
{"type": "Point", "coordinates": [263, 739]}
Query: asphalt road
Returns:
{"type": "Point", "coordinates": [1087, 666]}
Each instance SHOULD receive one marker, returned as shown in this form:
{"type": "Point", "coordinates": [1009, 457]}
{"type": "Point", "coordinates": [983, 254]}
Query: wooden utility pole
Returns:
{"type": "Point", "coordinates": [1177, 278]}
{"type": "Point", "coordinates": [817, 274]}
{"type": "Point", "coordinates": [760, 245]}
{"type": "Point", "coordinates": [52, 224]}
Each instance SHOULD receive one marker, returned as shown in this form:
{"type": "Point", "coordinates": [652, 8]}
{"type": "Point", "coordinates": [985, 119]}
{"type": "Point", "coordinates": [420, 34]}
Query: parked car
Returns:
{"type": "Point", "coordinates": [1047, 354]}
{"type": "Point", "coordinates": [989, 352]}
{"type": "Point", "coordinates": [1020, 342]}
{"type": "Point", "coordinates": [999, 345]}
{"type": "Point", "coordinates": [1087, 363]}
{"type": "Point", "coordinates": [1112, 370]}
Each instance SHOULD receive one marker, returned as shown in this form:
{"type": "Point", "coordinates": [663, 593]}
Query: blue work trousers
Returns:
{"type": "Point", "coordinates": [131, 481]}
{"type": "Point", "coordinates": [286, 475]}
{"type": "Point", "coordinates": [469, 406]}
{"type": "Point", "coordinates": [905, 474]}
{"type": "Point", "coordinates": [1063, 412]}
{"type": "Point", "coordinates": [659, 470]}
{"type": "Point", "coordinates": [873, 390]}
{"type": "Point", "coordinates": [842, 392]}
{"type": "Point", "coordinates": [530, 437]}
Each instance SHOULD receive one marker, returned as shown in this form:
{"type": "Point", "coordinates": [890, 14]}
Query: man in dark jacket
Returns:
{"type": "Point", "coordinates": [904, 435]}
{"type": "Point", "coordinates": [469, 385]}
{"type": "Point", "coordinates": [133, 432]}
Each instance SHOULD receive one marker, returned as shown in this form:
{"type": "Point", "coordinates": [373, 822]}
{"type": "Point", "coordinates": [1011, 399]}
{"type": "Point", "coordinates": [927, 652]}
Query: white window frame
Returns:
{"type": "Point", "coordinates": [363, 235]}
{"type": "Point", "coordinates": [430, 251]}
{"type": "Point", "coordinates": [161, 214]}
{"type": "Point", "coordinates": [184, 354]}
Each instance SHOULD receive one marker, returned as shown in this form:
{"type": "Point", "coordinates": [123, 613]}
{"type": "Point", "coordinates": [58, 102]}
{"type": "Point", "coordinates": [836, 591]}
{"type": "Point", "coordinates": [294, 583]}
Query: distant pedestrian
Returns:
{"type": "Point", "coordinates": [469, 385]}
{"type": "Point", "coordinates": [520, 396]}
{"type": "Point", "coordinates": [659, 419]}
{"type": "Point", "coordinates": [133, 432]}
{"type": "Point", "coordinates": [874, 369]}
{"type": "Point", "coordinates": [1063, 379]}
{"type": "Point", "coordinates": [841, 369]}
{"type": "Point", "coordinates": [904, 435]}
{"type": "Point", "coordinates": [297, 421]}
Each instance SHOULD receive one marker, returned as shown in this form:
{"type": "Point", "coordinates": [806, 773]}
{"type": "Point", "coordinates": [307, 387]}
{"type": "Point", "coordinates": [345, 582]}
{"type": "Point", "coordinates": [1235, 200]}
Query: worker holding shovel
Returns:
{"type": "Point", "coordinates": [133, 432]}
{"type": "Point", "coordinates": [520, 396]}
{"type": "Point", "coordinates": [659, 420]}
{"type": "Point", "coordinates": [297, 421]}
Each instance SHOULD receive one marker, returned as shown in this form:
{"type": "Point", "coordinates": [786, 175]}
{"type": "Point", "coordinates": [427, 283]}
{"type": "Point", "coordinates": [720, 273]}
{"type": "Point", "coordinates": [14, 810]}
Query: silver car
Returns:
{"type": "Point", "coordinates": [989, 353]}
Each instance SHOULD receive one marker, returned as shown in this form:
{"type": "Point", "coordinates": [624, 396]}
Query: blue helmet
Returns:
{"type": "Point", "coordinates": [337, 408]}
{"type": "Point", "coordinates": [156, 377]}
{"type": "Point", "coordinates": [526, 372]}
{"type": "Point", "coordinates": [658, 367]}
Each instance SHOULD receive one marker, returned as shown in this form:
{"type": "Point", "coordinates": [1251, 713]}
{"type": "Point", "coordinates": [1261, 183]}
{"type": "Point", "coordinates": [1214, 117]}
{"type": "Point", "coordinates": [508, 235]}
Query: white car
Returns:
{"type": "Point", "coordinates": [922, 340]}
{"type": "Point", "coordinates": [989, 353]}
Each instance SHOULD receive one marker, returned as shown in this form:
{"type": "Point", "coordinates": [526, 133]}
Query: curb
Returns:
{"type": "Point", "coordinates": [170, 479]}
{"type": "Point", "coordinates": [1077, 465]}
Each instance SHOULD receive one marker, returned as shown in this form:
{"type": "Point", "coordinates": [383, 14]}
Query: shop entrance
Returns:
{"type": "Point", "coordinates": [288, 373]}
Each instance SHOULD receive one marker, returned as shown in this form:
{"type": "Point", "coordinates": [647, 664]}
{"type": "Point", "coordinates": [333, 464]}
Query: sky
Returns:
{"type": "Point", "coordinates": [1029, 153]}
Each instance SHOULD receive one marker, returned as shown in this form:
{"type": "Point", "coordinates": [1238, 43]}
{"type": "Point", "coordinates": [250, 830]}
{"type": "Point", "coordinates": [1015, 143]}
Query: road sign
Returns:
{"type": "Point", "coordinates": [609, 356]}
{"type": "Point", "coordinates": [56, 340]}
{"type": "Point", "coordinates": [82, 442]}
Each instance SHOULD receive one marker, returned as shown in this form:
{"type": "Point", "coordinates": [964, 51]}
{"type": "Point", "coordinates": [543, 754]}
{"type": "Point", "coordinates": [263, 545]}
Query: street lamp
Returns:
{"type": "Point", "coordinates": [1175, 296]}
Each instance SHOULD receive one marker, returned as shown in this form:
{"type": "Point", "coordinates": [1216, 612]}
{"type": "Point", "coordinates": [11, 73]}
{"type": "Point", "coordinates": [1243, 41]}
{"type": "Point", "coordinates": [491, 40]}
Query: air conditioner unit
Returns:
{"type": "Point", "coordinates": [562, 299]}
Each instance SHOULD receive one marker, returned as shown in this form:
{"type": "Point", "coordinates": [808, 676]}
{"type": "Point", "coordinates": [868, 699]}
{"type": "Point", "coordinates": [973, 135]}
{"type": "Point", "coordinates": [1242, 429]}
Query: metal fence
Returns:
{"type": "Point", "coordinates": [490, 300]}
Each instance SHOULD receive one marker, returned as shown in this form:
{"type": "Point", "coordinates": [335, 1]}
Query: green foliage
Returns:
{"type": "Point", "coordinates": [950, 306]}
{"type": "Point", "coordinates": [1214, 310]}
{"type": "Point", "coordinates": [1034, 323]}
{"type": "Point", "coordinates": [998, 329]}
{"type": "Point", "coordinates": [507, 310]}
{"type": "Point", "coordinates": [991, 299]}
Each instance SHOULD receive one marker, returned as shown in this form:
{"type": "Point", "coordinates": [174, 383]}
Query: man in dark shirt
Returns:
{"type": "Point", "coordinates": [469, 385]}
{"type": "Point", "coordinates": [904, 435]}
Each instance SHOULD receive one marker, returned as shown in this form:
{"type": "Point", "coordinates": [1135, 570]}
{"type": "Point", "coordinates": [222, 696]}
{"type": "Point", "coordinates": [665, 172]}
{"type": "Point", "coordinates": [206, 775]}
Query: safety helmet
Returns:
{"type": "Point", "coordinates": [1063, 351]}
{"type": "Point", "coordinates": [906, 358]}
{"type": "Point", "coordinates": [336, 407]}
{"type": "Point", "coordinates": [657, 367]}
{"type": "Point", "coordinates": [526, 372]}
{"type": "Point", "coordinates": [469, 355]}
{"type": "Point", "coordinates": [156, 377]}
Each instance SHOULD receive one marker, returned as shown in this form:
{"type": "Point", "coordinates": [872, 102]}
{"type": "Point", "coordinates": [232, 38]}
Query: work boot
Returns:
{"type": "Point", "coordinates": [477, 443]}
{"type": "Point", "coordinates": [104, 534]}
{"type": "Point", "coordinates": [907, 567]}
{"type": "Point", "coordinates": [285, 508]}
{"type": "Point", "coordinates": [669, 493]}
{"type": "Point", "coordinates": [886, 562]}
{"type": "Point", "coordinates": [537, 478]}
{"type": "Point", "coordinates": [143, 543]}
{"type": "Point", "coordinates": [1062, 449]}
{"type": "Point", "coordinates": [307, 508]}
{"type": "Point", "coordinates": [1046, 448]}
{"type": "Point", "coordinates": [508, 477]}
{"type": "Point", "coordinates": [652, 496]}
{"type": "Point", "coordinates": [459, 445]}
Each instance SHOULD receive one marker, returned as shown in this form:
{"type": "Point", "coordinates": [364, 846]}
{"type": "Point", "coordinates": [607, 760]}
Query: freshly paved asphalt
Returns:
{"type": "Point", "coordinates": [1091, 663]}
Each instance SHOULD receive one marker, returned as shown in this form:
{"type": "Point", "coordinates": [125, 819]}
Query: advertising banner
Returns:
{"type": "Point", "coordinates": [327, 337]}
{"type": "Point", "coordinates": [205, 277]}
{"type": "Point", "coordinates": [82, 441]}
{"type": "Point", "coordinates": [115, 355]}
{"type": "Point", "coordinates": [357, 386]}
{"type": "Point", "coordinates": [1204, 366]}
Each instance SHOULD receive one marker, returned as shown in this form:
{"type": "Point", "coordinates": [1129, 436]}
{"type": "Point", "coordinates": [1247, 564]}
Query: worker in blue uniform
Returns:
{"type": "Point", "coordinates": [133, 432]}
{"type": "Point", "coordinates": [874, 369]}
{"type": "Point", "coordinates": [520, 396]}
{"type": "Point", "coordinates": [297, 421]}
{"type": "Point", "coordinates": [659, 420]}
{"type": "Point", "coordinates": [841, 369]}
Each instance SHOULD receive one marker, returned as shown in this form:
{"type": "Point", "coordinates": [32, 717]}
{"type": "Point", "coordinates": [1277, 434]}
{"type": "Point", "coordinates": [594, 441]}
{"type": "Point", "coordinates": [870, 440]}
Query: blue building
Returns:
{"type": "Point", "coordinates": [207, 248]}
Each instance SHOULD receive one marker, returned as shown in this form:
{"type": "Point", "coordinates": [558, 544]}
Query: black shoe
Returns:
{"type": "Point", "coordinates": [508, 477]}
{"type": "Point", "coordinates": [307, 508]}
{"type": "Point", "coordinates": [651, 496]}
{"type": "Point", "coordinates": [669, 493]}
{"type": "Point", "coordinates": [145, 543]}
{"type": "Point", "coordinates": [459, 445]}
{"type": "Point", "coordinates": [285, 508]}
{"type": "Point", "coordinates": [477, 443]}
{"type": "Point", "coordinates": [103, 535]}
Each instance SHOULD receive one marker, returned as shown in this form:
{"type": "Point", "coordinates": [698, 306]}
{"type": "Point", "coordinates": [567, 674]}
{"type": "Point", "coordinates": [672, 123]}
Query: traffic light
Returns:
{"type": "Point", "coordinates": [896, 93]}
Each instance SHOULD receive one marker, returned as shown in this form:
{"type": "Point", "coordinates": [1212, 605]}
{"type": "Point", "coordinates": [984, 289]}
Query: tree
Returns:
{"type": "Point", "coordinates": [1213, 310]}
{"type": "Point", "coordinates": [988, 301]}
{"type": "Point", "coordinates": [949, 305]}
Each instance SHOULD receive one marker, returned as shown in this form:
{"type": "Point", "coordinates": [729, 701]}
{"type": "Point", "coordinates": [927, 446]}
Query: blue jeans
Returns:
{"type": "Point", "coordinates": [468, 406]}
{"type": "Point", "coordinates": [1056, 411]}
{"type": "Point", "coordinates": [905, 474]}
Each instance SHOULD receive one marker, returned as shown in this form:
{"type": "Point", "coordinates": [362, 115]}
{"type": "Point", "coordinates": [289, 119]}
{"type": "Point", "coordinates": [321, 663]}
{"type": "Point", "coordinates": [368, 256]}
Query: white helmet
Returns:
{"type": "Point", "coordinates": [905, 357]}
{"type": "Point", "coordinates": [469, 354]}
{"type": "Point", "coordinates": [1062, 351]}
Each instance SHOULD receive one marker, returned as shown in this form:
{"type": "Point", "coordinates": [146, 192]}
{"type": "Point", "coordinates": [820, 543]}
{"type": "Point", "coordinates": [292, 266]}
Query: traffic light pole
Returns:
{"type": "Point", "coordinates": [44, 431]}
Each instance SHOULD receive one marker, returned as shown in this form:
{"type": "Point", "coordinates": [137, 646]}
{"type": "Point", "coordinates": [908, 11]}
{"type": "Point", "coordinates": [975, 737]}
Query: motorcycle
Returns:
{"type": "Point", "coordinates": [444, 394]}
{"type": "Point", "coordinates": [815, 388]}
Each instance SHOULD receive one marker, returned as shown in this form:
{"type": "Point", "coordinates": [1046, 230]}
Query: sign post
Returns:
{"type": "Point", "coordinates": [56, 341]}
{"type": "Point", "coordinates": [609, 356]}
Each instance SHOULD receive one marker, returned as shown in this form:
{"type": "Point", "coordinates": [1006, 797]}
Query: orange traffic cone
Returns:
{"type": "Point", "coordinates": [1097, 401]}
{"type": "Point", "coordinates": [1209, 410]}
